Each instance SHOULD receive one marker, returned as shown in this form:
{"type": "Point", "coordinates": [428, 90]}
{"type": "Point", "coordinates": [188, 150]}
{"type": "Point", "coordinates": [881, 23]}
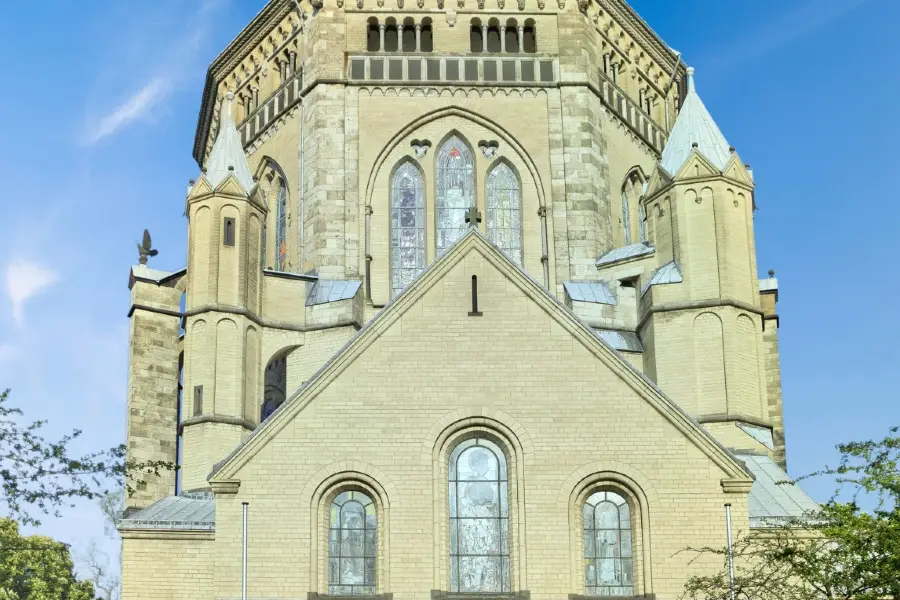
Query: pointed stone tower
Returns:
{"type": "Point", "coordinates": [225, 211]}
{"type": "Point", "coordinates": [703, 298]}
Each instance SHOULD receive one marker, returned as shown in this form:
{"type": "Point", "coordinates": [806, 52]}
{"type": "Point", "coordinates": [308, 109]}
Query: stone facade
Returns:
{"type": "Point", "coordinates": [625, 345]}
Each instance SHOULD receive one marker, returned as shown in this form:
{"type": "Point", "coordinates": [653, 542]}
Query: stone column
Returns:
{"type": "Point", "coordinates": [418, 37]}
{"type": "Point", "coordinates": [484, 31]}
{"type": "Point", "coordinates": [381, 27]}
{"type": "Point", "coordinates": [503, 39]}
{"type": "Point", "coordinates": [520, 31]}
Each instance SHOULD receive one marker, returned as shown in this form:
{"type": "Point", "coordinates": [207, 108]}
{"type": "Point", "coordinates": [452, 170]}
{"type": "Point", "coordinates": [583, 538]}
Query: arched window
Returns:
{"type": "Point", "coordinates": [281, 227]}
{"type": "Point", "coordinates": [275, 385]}
{"type": "Point", "coordinates": [455, 186]}
{"type": "Point", "coordinates": [632, 193]}
{"type": "Point", "coordinates": [479, 518]}
{"type": "Point", "coordinates": [427, 39]}
{"type": "Point", "coordinates": [493, 36]}
{"type": "Point", "coordinates": [511, 36]}
{"type": "Point", "coordinates": [391, 36]}
{"type": "Point", "coordinates": [529, 37]}
{"type": "Point", "coordinates": [408, 35]}
{"type": "Point", "coordinates": [373, 36]}
{"type": "Point", "coordinates": [504, 206]}
{"type": "Point", "coordinates": [407, 226]}
{"type": "Point", "coordinates": [609, 568]}
{"type": "Point", "coordinates": [476, 39]}
{"type": "Point", "coordinates": [352, 546]}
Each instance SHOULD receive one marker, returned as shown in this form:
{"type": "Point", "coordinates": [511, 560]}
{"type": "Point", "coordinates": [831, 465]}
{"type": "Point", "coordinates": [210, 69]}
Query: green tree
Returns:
{"type": "Point", "coordinates": [840, 552]}
{"type": "Point", "coordinates": [37, 568]}
{"type": "Point", "coordinates": [40, 476]}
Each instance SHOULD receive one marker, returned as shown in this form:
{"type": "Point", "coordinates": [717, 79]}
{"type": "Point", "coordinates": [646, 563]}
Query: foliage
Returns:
{"type": "Point", "coordinates": [37, 568]}
{"type": "Point", "coordinates": [839, 552]}
{"type": "Point", "coordinates": [40, 476]}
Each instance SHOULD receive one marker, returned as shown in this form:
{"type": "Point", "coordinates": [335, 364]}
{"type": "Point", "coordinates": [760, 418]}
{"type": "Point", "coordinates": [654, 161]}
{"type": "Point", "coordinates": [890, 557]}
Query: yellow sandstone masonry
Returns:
{"type": "Point", "coordinates": [598, 316]}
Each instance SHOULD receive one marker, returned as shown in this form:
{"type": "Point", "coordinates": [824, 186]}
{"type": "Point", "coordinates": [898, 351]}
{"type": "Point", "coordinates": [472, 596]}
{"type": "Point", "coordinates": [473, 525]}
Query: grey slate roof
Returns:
{"type": "Point", "coordinates": [193, 511]}
{"type": "Point", "coordinates": [595, 292]}
{"type": "Point", "coordinates": [626, 252]}
{"type": "Point", "coordinates": [771, 504]}
{"type": "Point", "coordinates": [324, 291]}
{"type": "Point", "coordinates": [625, 341]}
{"type": "Point", "coordinates": [668, 273]}
{"type": "Point", "coordinates": [228, 151]}
{"type": "Point", "coordinates": [762, 435]}
{"type": "Point", "coordinates": [694, 126]}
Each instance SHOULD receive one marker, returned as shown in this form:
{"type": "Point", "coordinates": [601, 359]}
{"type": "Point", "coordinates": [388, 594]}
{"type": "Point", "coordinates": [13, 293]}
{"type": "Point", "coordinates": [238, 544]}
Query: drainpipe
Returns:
{"type": "Point", "coordinates": [730, 551]}
{"type": "Point", "coordinates": [244, 506]}
{"type": "Point", "coordinates": [545, 252]}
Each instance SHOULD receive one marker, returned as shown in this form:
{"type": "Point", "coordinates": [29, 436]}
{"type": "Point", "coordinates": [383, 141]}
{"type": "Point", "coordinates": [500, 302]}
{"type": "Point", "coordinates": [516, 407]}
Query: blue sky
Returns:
{"type": "Point", "coordinates": [100, 109]}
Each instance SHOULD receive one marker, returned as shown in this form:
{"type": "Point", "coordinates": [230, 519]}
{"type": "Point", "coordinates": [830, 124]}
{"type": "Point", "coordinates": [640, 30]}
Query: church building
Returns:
{"type": "Point", "coordinates": [471, 309]}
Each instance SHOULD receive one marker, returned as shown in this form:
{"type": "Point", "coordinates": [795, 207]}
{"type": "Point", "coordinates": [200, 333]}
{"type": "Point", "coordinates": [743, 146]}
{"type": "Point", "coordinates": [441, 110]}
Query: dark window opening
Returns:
{"type": "Point", "coordinates": [229, 231]}
{"type": "Point", "coordinates": [493, 39]}
{"type": "Point", "coordinates": [631, 282]}
{"type": "Point", "coordinates": [476, 41]}
{"type": "Point", "coordinates": [390, 38]}
{"type": "Point", "coordinates": [512, 40]}
{"type": "Point", "coordinates": [427, 39]}
{"type": "Point", "coordinates": [529, 41]}
{"type": "Point", "coordinates": [409, 39]}
{"type": "Point", "coordinates": [198, 400]}
{"type": "Point", "coordinates": [373, 38]}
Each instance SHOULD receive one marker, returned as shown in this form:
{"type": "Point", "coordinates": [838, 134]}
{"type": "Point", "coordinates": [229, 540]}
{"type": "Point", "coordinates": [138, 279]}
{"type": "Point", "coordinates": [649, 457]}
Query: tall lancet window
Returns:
{"type": "Point", "coordinates": [479, 518]}
{"type": "Point", "coordinates": [609, 568]}
{"type": "Point", "coordinates": [504, 206]}
{"type": "Point", "coordinates": [626, 214]}
{"type": "Point", "coordinates": [352, 546]}
{"type": "Point", "coordinates": [407, 226]}
{"type": "Point", "coordinates": [642, 220]}
{"type": "Point", "coordinates": [281, 227]}
{"type": "Point", "coordinates": [455, 185]}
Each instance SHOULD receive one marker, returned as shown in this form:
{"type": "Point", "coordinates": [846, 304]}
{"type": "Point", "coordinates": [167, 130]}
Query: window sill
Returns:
{"type": "Point", "coordinates": [443, 595]}
{"type": "Point", "coordinates": [318, 596]}
{"type": "Point", "coordinates": [583, 597]}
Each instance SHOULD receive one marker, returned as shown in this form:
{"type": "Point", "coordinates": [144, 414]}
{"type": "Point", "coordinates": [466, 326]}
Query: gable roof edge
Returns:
{"type": "Point", "coordinates": [639, 382]}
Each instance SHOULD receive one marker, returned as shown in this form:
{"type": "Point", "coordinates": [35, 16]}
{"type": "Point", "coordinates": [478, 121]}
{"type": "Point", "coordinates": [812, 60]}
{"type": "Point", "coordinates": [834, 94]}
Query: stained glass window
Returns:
{"type": "Point", "coordinates": [455, 191]}
{"type": "Point", "coordinates": [608, 562]}
{"type": "Point", "coordinates": [352, 545]}
{"type": "Point", "coordinates": [479, 518]}
{"type": "Point", "coordinates": [407, 226]}
{"type": "Point", "coordinates": [281, 228]}
{"type": "Point", "coordinates": [626, 214]}
{"type": "Point", "coordinates": [504, 205]}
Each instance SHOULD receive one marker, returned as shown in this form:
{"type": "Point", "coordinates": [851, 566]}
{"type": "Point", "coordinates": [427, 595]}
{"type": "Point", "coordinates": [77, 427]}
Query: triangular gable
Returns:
{"type": "Point", "coordinates": [697, 165]}
{"type": "Point", "coordinates": [475, 241]}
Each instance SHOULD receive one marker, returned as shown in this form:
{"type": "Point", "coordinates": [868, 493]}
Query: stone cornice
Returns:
{"type": "Point", "coordinates": [640, 30]}
{"type": "Point", "coordinates": [166, 534]}
{"type": "Point", "coordinates": [265, 20]}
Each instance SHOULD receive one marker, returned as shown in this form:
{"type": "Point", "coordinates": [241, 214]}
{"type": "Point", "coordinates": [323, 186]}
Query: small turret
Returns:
{"type": "Point", "coordinates": [226, 211]}
{"type": "Point", "coordinates": [699, 204]}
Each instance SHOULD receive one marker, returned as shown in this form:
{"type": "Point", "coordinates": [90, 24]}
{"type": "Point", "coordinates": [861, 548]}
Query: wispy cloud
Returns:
{"type": "Point", "coordinates": [183, 48]}
{"type": "Point", "coordinates": [783, 29]}
{"type": "Point", "coordinates": [134, 108]}
{"type": "Point", "coordinates": [23, 280]}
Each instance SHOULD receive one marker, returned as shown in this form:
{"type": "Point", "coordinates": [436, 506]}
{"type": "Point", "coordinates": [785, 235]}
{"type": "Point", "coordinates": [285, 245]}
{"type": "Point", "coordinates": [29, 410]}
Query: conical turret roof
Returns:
{"type": "Point", "coordinates": [694, 126]}
{"type": "Point", "coordinates": [228, 151]}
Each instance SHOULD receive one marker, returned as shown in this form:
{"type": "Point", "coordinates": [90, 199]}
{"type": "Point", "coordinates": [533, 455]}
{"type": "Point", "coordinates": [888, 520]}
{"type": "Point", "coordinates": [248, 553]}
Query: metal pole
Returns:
{"type": "Point", "coordinates": [730, 552]}
{"type": "Point", "coordinates": [244, 555]}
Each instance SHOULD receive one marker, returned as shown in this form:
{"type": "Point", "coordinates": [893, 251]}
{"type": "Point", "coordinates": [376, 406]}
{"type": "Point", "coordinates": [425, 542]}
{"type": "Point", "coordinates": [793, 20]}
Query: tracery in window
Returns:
{"type": "Point", "coordinates": [352, 546]}
{"type": "Point", "coordinates": [281, 228]}
{"type": "Point", "coordinates": [455, 187]}
{"type": "Point", "coordinates": [479, 518]}
{"type": "Point", "coordinates": [407, 226]}
{"type": "Point", "coordinates": [608, 560]}
{"type": "Point", "coordinates": [504, 206]}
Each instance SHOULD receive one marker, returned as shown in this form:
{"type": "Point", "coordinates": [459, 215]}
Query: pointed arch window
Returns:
{"type": "Point", "coordinates": [504, 206]}
{"type": "Point", "coordinates": [632, 196]}
{"type": "Point", "coordinates": [642, 220]}
{"type": "Point", "coordinates": [407, 226]}
{"type": "Point", "coordinates": [281, 227]}
{"type": "Point", "coordinates": [626, 215]}
{"type": "Point", "coordinates": [455, 186]}
{"type": "Point", "coordinates": [352, 546]}
{"type": "Point", "coordinates": [479, 518]}
{"type": "Point", "coordinates": [274, 387]}
{"type": "Point", "coordinates": [608, 559]}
